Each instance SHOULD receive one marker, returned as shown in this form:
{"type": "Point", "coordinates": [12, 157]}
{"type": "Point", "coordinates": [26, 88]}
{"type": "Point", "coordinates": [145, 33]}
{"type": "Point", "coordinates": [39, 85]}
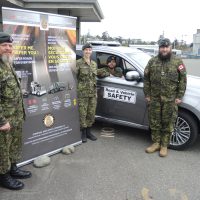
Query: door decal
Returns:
{"type": "Point", "coordinates": [122, 95]}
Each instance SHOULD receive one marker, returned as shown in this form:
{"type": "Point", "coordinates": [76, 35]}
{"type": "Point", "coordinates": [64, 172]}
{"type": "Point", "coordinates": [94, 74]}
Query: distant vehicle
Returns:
{"type": "Point", "coordinates": [122, 101]}
{"type": "Point", "coordinates": [177, 52]}
{"type": "Point", "coordinates": [104, 43]}
{"type": "Point", "coordinates": [37, 89]}
{"type": "Point", "coordinates": [152, 50]}
{"type": "Point", "coordinates": [56, 87]}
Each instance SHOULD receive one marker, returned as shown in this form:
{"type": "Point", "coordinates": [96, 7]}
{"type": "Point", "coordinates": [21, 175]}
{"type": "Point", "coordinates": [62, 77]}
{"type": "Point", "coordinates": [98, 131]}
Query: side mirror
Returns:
{"type": "Point", "coordinates": [132, 76]}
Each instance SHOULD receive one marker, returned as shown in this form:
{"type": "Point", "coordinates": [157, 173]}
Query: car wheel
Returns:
{"type": "Point", "coordinates": [185, 132]}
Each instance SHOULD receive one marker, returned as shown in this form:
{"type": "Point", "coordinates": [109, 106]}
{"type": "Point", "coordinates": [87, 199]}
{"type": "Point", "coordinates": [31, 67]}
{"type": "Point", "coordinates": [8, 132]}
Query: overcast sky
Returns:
{"type": "Point", "coordinates": [147, 19]}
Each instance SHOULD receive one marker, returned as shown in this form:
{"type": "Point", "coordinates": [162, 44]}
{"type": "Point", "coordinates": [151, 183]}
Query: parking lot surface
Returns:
{"type": "Point", "coordinates": [114, 168]}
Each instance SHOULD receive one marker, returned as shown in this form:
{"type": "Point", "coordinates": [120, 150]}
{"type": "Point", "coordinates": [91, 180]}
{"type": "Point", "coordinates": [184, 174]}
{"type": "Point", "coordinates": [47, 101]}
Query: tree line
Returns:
{"type": "Point", "coordinates": [176, 44]}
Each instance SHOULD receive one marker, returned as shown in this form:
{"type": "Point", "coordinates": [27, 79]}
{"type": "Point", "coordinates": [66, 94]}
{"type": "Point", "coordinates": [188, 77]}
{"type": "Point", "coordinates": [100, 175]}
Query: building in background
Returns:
{"type": "Point", "coordinates": [84, 10]}
{"type": "Point", "coordinates": [196, 43]}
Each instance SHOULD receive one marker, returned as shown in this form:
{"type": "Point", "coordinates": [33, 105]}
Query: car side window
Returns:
{"type": "Point", "coordinates": [102, 61]}
{"type": "Point", "coordinates": [128, 67]}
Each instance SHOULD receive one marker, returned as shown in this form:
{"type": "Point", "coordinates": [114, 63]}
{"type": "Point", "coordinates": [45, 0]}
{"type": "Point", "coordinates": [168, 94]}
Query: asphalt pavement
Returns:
{"type": "Point", "coordinates": [114, 168]}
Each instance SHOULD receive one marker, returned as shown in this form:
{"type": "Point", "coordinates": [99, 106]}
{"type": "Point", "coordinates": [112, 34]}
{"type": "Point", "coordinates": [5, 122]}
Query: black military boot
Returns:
{"type": "Point", "coordinates": [84, 136]}
{"type": "Point", "coordinates": [8, 182]}
{"type": "Point", "coordinates": [15, 172]}
{"type": "Point", "coordinates": [90, 135]}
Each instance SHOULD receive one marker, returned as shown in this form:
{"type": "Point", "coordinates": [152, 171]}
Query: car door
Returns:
{"type": "Point", "coordinates": [119, 99]}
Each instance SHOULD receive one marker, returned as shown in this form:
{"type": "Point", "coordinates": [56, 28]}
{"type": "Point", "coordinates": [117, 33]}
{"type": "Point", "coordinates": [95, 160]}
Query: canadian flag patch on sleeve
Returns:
{"type": "Point", "coordinates": [181, 67]}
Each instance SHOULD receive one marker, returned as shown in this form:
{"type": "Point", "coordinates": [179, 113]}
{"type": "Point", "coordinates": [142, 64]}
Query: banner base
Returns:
{"type": "Point", "coordinates": [48, 154]}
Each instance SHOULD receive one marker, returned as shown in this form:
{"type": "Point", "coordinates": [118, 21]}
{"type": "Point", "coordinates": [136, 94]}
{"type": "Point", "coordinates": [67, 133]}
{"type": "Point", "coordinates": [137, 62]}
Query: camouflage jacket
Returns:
{"type": "Point", "coordinates": [86, 76]}
{"type": "Point", "coordinates": [105, 71]}
{"type": "Point", "coordinates": [165, 79]}
{"type": "Point", "coordinates": [11, 100]}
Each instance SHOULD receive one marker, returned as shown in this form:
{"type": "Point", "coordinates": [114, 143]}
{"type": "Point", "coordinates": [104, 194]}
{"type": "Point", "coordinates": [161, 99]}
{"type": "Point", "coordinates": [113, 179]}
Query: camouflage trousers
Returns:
{"type": "Point", "coordinates": [162, 118]}
{"type": "Point", "coordinates": [10, 148]}
{"type": "Point", "coordinates": [87, 110]}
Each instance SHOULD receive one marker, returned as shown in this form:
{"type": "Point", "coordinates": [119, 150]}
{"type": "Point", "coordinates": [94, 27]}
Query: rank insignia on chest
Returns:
{"type": "Point", "coordinates": [162, 73]}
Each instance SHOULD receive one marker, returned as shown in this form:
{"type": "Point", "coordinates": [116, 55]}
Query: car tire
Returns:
{"type": "Point", "coordinates": [185, 132]}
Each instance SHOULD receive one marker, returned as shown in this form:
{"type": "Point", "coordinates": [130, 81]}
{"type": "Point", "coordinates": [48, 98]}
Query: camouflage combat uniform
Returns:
{"type": "Point", "coordinates": [12, 111]}
{"type": "Point", "coordinates": [105, 71]}
{"type": "Point", "coordinates": [86, 89]}
{"type": "Point", "coordinates": [164, 81]}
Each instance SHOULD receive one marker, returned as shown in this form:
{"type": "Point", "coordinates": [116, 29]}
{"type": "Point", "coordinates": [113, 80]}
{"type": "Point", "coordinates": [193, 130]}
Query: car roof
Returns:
{"type": "Point", "coordinates": [104, 43]}
{"type": "Point", "coordinates": [120, 49]}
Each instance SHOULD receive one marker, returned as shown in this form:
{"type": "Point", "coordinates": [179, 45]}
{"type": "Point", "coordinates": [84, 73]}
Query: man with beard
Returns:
{"type": "Point", "coordinates": [111, 69]}
{"type": "Point", "coordinates": [11, 118]}
{"type": "Point", "coordinates": [164, 87]}
{"type": "Point", "coordinates": [86, 70]}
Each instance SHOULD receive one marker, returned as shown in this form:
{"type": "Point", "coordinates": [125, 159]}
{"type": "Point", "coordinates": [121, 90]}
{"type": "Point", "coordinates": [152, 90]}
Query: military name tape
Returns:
{"type": "Point", "coordinates": [117, 94]}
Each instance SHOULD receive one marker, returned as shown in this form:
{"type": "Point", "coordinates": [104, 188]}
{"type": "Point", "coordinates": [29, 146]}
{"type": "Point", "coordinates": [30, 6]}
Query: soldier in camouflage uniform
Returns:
{"type": "Point", "coordinates": [111, 70]}
{"type": "Point", "coordinates": [164, 87]}
{"type": "Point", "coordinates": [11, 117]}
{"type": "Point", "coordinates": [87, 93]}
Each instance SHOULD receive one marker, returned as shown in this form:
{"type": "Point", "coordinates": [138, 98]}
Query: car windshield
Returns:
{"type": "Point", "coordinates": [140, 57]}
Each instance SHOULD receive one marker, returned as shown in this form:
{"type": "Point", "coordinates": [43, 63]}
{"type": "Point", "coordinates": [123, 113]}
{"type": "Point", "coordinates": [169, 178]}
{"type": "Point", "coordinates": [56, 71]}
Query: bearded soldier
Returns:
{"type": "Point", "coordinates": [11, 118]}
{"type": "Point", "coordinates": [164, 88]}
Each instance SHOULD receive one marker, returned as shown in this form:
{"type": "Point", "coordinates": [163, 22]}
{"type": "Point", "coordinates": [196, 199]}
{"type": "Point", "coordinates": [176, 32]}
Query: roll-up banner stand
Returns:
{"type": "Point", "coordinates": [45, 58]}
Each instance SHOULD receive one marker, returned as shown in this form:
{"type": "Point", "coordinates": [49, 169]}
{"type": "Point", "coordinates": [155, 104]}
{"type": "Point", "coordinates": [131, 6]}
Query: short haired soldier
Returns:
{"type": "Point", "coordinates": [87, 92]}
{"type": "Point", "coordinates": [164, 87]}
{"type": "Point", "coordinates": [11, 118]}
{"type": "Point", "coordinates": [111, 69]}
